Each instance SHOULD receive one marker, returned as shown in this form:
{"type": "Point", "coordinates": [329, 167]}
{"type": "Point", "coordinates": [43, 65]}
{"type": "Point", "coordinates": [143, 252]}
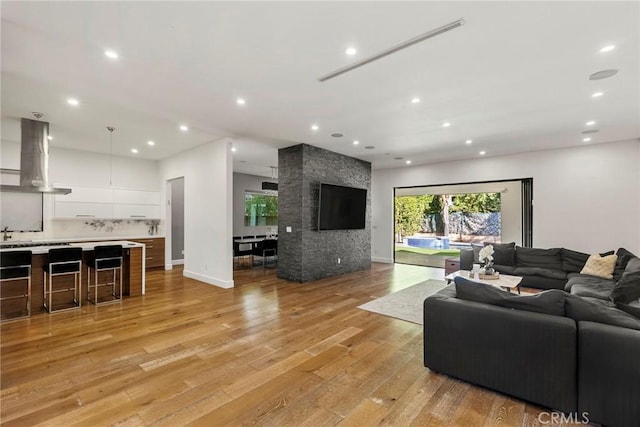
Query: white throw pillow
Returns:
{"type": "Point", "coordinates": [600, 266]}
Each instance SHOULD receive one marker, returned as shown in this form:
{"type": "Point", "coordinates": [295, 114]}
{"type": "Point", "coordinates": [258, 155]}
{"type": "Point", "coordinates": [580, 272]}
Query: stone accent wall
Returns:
{"type": "Point", "coordinates": [307, 254]}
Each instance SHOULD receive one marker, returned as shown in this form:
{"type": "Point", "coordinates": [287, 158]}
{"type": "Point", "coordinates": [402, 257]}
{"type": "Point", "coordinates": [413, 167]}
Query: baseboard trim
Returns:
{"type": "Point", "coordinates": [177, 262]}
{"type": "Point", "coordinates": [168, 266]}
{"type": "Point", "coordinates": [383, 260]}
{"type": "Point", "coordinates": [225, 284]}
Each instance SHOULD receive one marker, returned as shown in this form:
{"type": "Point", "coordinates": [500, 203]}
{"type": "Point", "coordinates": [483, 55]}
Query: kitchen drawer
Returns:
{"type": "Point", "coordinates": [451, 265]}
{"type": "Point", "coordinates": [154, 251]}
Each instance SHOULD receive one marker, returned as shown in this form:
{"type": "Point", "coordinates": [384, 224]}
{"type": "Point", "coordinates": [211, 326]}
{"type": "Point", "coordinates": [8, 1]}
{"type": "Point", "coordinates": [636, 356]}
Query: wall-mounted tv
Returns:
{"type": "Point", "coordinates": [341, 208]}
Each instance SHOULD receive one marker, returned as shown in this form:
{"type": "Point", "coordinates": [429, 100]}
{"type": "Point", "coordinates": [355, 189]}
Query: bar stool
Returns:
{"type": "Point", "coordinates": [14, 266]}
{"type": "Point", "coordinates": [63, 262]}
{"type": "Point", "coordinates": [105, 258]}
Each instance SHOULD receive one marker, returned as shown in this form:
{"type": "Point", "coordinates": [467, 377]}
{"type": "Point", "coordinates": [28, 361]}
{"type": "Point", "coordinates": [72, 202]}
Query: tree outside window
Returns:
{"type": "Point", "coordinates": [260, 209]}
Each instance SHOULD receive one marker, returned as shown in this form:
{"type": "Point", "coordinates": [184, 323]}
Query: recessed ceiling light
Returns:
{"type": "Point", "coordinates": [446, 124]}
{"type": "Point", "coordinates": [415, 100]}
{"type": "Point", "coordinates": [586, 139]}
{"type": "Point", "coordinates": [356, 142]}
{"type": "Point", "coordinates": [184, 128]}
{"type": "Point", "coordinates": [482, 153]}
{"type": "Point", "coordinates": [73, 101]}
{"type": "Point", "coordinates": [240, 101]}
{"type": "Point", "coordinates": [369, 147]}
{"type": "Point", "coordinates": [408, 162]}
{"type": "Point", "coordinates": [111, 54]}
{"type": "Point", "coordinates": [351, 51]}
{"type": "Point", "coordinates": [590, 123]}
{"type": "Point", "coordinates": [151, 143]}
{"type": "Point", "coordinates": [234, 149]}
{"type": "Point", "coordinates": [315, 127]}
{"type": "Point", "coordinates": [590, 131]}
{"type": "Point", "coordinates": [134, 150]}
{"type": "Point", "coordinates": [49, 137]}
{"type": "Point", "coordinates": [468, 141]}
{"type": "Point", "coordinates": [597, 94]}
{"type": "Point", "coordinates": [608, 48]}
{"type": "Point", "coordinates": [337, 135]}
{"type": "Point", "coordinates": [398, 158]}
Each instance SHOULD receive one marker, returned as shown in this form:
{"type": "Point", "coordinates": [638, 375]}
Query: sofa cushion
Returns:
{"type": "Point", "coordinates": [585, 279]}
{"type": "Point", "coordinates": [505, 269]}
{"type": "Point", "coordinates": [596, 290]}
{"type": "Point", "coordinates": [632, 308]}
{"type": "Point", "coordinates": [503, 253]}
{"type": "Point", "coordinates": [547, 302]}
{"type": "Point", "coordinates": [574, 261]}
{"type": "Point", "coordinates": [539, 271]}
{"type": "Point", "coordinates": [476, 252]}
{"type": "Point", "coordinates": [582, 310]}
{"type": "Point", "coordinates": [632, 265]}
{"type": "Point", "coordinates": [627, 289]}
{"type": "Point", "coordinates": [621, 263]}
{"type": "Point", "coordinates": [600, 266]}
{"type": "Point", "coordinates": [535, 257]}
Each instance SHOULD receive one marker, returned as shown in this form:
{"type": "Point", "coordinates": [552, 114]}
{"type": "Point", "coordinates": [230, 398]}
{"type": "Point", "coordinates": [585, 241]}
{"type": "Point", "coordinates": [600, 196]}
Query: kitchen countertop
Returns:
{"type": "Point", "coordinates": [86, 246]}
{"type": "Point", "coordinates": [88, 239]}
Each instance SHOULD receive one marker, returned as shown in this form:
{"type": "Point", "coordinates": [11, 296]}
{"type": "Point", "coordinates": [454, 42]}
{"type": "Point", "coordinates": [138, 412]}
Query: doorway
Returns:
{"type": "Point", "coordinates": [176, 202]}
{"type": "Point", "coordinates": [432, 223]}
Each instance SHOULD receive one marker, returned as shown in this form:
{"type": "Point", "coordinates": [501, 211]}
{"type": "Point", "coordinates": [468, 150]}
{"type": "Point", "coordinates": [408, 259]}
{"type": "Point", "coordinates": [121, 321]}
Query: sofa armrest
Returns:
{"type": "Point", "coordinates": [528, 355]}
{"type": "Point", "coordinates": [609, 374]}
{"type": "Point", "coordinates": [466, 259]}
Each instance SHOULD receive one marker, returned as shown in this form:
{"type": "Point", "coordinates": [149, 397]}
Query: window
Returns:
{"type": "Point", "coordinates": [260, 209]}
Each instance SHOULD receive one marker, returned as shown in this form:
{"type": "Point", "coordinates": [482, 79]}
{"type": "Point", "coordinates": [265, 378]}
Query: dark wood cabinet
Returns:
{"type": "Point", "coordinates": [451, 265]}
{"type": "Point", "coordinates": [154, 251]}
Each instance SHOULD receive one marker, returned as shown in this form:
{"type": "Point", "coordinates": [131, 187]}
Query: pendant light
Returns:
{"type": "Point", "coordinates": [110, 129]}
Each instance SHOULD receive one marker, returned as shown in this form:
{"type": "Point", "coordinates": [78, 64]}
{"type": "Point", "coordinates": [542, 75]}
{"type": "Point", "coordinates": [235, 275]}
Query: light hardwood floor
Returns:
{"type": "Point", "coordinates": [268, 352]}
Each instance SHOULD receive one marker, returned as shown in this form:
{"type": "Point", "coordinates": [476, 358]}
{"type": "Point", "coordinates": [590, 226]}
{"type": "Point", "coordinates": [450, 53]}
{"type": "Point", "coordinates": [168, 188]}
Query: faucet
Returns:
{"type": "Point", "coordinates": [5, 234]}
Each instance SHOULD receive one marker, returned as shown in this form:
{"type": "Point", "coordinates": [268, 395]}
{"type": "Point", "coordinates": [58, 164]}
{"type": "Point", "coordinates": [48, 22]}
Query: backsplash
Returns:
{"type": "Point", "coordinates": [94, 228]}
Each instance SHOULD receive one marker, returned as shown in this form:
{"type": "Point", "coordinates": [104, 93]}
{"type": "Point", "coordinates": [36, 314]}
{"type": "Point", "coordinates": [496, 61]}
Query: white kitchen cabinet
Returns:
{"type": "Point", "coordinates": [87, 195]}
{"type": "Point", "coordinates": [82, 210]}
{"type": "Point", "coordinates": [133, 211]}
{"type": "Point", "coordinates": [136, 197]}
{"type": "Point", "coordinates": [107, 203]}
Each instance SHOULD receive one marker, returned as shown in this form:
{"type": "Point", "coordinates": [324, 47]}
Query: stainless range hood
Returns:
{"type": "Point", "coordinates": [34, 159]}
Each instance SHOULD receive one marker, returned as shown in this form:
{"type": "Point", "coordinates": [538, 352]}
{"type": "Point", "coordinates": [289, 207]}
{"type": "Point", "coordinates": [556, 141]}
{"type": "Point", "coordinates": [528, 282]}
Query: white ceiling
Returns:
{"type": "Point", "coordinates": [514, 78]}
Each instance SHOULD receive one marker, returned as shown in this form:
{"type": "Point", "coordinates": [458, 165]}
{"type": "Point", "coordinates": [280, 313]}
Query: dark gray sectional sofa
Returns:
{"type": "Point", "coordinates": [570, 351]}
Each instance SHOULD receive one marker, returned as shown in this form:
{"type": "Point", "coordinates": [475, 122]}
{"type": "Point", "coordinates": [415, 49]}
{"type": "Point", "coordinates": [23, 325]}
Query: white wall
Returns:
{"type": "Point", "coordinates": [84, 168]}
{"type": "Point", "coordinates": [242, 182]}
{"type": "Point", "coordinates": [585, 198]}
{"type": "Point", "coordinates": [208, 221]}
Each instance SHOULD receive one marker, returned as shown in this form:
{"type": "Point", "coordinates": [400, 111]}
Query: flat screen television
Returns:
{"type": "Point", "coordinates": [341, 208]}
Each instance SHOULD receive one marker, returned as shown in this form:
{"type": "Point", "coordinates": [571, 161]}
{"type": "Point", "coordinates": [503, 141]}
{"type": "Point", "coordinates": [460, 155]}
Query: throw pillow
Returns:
{"type": "Point", "coordinates": [547, 302]}
{"type": "Point", "coordinates": [623, 258]}
{"type": "Point", "coordinates": [600, 266]}
{"type": "Point", "coordinates": [627, 289]}
{"type": "Point", "coordinates": [503, 253]}
{"type": "Point", "coordinates": [574, 261]}
{"type": "Point", "coordinates": [580, 310]}
{"type": "Point", "coordinates": [535, 257]}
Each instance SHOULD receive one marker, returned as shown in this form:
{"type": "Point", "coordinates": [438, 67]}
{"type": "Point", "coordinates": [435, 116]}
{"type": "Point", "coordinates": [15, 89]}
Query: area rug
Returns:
{"type": "Point", "coordinates": [405, 304]}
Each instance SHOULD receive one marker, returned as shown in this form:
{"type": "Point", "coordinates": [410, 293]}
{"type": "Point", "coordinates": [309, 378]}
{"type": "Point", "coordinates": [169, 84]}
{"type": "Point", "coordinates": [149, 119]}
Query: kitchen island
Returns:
{"type": "Point", "coordinates": [133, 269]}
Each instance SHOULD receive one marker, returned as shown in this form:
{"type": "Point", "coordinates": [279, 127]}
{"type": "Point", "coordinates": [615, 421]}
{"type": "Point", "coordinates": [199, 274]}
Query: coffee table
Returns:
{"type": "Point", "coordinates": [505, 281]}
